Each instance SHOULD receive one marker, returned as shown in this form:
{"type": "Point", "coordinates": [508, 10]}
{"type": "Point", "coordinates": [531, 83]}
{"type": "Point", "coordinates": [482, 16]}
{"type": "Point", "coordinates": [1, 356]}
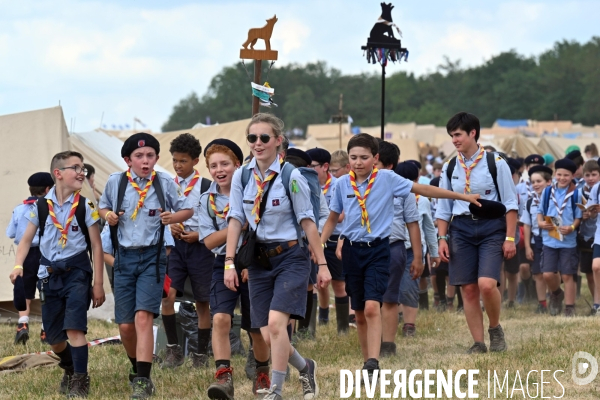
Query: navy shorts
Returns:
{"type": "Point", "coordinates": [596, 251]}
{"type": "Point", "coordinates": [191, 260]}
{"type": "Point", "coordinates": [565, 261]}
{"type": "Point", "coordinates": [31, 265]}
{"type": "Point", "coordinates": [283, 288]}
{"type": "Point", "coordinates": [312, 279]}
{"type": "Point", "coordinates": [136, 288]}
{"type": "Point", "coordinates": [333, 263]}
{"type": "Point", "coordinates": [511, 265]}
{"type": "Point", "coordinates": [475, 249]}
{"type": "Point", "coordinates": [397, 267]}
{"type": "Point", "coordinates": [66, 308]}
{"type": "Point", "coordinates": [409, 287]}
{"type": "Point", "coordinates": [366, 271]}
{"type": "Point", "coordinates": [536, 267]}
{"type": "Point", "coordinates": [223, 300]}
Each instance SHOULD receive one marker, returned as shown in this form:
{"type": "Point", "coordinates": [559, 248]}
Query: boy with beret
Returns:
{"type": "Point", "coordinates": [65, 272]}
{"type": "Point", "coordinates": [39, 186]}
{"type": "Point", "coordinates": [140, 258]}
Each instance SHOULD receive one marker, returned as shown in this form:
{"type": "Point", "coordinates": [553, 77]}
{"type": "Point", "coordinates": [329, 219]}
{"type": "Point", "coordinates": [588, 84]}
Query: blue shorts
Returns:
{"type": "Point", "coordinates": [66, 308]}
{"type": "Point", "coordinates": [397, 266]}
{"type": "Point", "coordinates": [537, 255]}
{"type": "Point", "coordinates": [596, 250]}
{"type": "Point", "coordinates": [223, 300]}
{"type": "Point", "coordinates": [30, 271]}
{"type": "Point", "coordinates": [312, 279]}
{"type": "Point", "coordinates": [475, 249]}
{"type": "Point", "coordinates": [283, 288]}
{"type": "Point", "coordinates": [409, 287]}
{"type": "Point", "coordinates": [191, 260]}
{"type": "Point", "coordinates": [334, 264]}
{"type": "Point", "coordinates": [136, 288]}
{"type": "Point", "coordinates": [565, 261]}
{"type": "Point", "coordinates": [366, 271]}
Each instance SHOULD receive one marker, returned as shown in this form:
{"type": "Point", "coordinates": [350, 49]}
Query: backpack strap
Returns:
{"type": "Point", "coordinates": [43, 213]}
{"type": "Point", "coordinates": [528, 206]}
{"type": "Point", "coordinates": [286, 172]}
{"type": "Point", "coordinates": [491, 162]}
{"type": "Point", "coordinates": [546, 202]}
{"type": "Point", "coordinates": [212, 215]}
{"type": "Point", "coordinates": [450, 170]}
{"type": "Point", "coordinates": [246, 174]}
{"type": "Point", "coordinates": [575, 200]}
{"type": "Point", "coordinates": [204, 185]}
{"type": "Point", "coordinates": [161, 238]}
{"type": "Point", "coordinates": [120, 195]}
{"type": "Point", "coordinates": [80, 216]}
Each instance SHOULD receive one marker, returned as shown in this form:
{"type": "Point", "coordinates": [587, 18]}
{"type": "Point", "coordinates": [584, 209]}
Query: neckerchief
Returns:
{"type": "Point", "coordinates": [63, 231]}
{"type": "Point", "coordinates": [190, 186]}
{"type": "Point", "coordinates": [362, 201]}
{"type": "Point", "coordinates": [560, 209]}
{"type": "Point", "coordinates": [535, 199]}
{"type": "Point", "coordinates": [530, 191]}
{"type": "Point", "coordinates": [417, 198]}
{"type": "Point", "coordinates": [260, 189]}
{"type": "Point", "coordinates": [141, 192]}
{"type": "Point", "coordinates": [469, 169]}
{"type": "Point", "coordinates": [327, 184]}
{"type": "Point", "coordinates": [30, 200]}
{"type": "Point", "coordinates": [586, 191]}
{"type": "Point", "coordinates": [213, 205]}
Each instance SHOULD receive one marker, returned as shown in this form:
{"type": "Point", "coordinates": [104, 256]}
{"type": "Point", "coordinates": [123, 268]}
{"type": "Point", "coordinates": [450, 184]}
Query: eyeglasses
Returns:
{"type": "Point", "coordinates": [334, 170]}
{"type": "Point", "coordinates": [265, 138]}
{"type": "Point", "coordinates": [77, 168]}
{"type": "Point", "coordinates": [313, 166]}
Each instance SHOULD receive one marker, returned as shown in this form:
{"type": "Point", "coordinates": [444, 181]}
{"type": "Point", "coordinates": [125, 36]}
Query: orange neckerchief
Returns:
{"type": "Point", "coordinates": [213, 205]}
{"type": "Point", "coordinates": [327, 184]}
{"type": "Point", "coordinates": [141, 192]}
{"type": "Point", "coordinates": [260, 188]}
{"type": "Point", "coordinates": [63, 231]}
{"type": "Point", "coordinates": [469, 169]}
{"type": "Point", "coordinates": [190, 186]}
{"type": "Point", "coordinates": [362, 201]}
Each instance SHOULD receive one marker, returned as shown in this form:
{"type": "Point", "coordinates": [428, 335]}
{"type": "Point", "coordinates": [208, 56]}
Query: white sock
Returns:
{"type": "Point", "coordinates": [24, 320]}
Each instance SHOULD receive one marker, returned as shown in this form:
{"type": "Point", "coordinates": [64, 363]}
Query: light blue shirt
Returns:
{"type": "Point", "coordinates": [587, 227]}
{"type": "Point", "coordinates": [591, 201]}
{"type": "Point", "coordinates": [49, 246]}
{"type": "Point", "coordinates": [277, 224]}
{"type": "Point", "coordinates": [380, 205]}
{"type": "Point", "coordinates": [428, 232]}
{"type": "Point", "coordinates": [193, 199]}
{"type": "Point", "coordinates": [405, 211]}
{"type": "Point", "coordinates": [107, 243]}
{"type": "Point", "coordinates": [144, 230]}
{"type": "Point", "coordinates": [530, 219]}
{"type": "Point", "coordinates": [570, 240]}
{"type": "Point", "coordinates": [18, 223]}
{"type": "Point", "coordinates": [481, 183]}
{"type": "Point", "coordinates": [338, 228]}
{"type": "Point", "coordinates": [207, 227]}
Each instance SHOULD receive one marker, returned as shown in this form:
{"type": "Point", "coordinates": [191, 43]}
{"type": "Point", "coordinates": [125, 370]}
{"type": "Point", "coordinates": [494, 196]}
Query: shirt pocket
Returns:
{"type": "Point", "coordinates": [277, 202]}
{"type": "Point", "coordinates": [152, 208]}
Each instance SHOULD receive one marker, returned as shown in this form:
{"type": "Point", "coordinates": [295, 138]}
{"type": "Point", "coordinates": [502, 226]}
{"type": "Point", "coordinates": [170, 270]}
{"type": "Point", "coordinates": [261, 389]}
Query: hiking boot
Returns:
{"type": "Point", "coordinates": [497, 342]}
{"type": "Point", "coordinates": [250, 367]}
{"type": "Point", "coordinates": [199, 360]}
{"type": "Point", "coordinates": [388, 349]}
{"type": "Point", "coordinates": [409, 330]}
{"type": "Point", "coordinates": [309, 381]}
{"type": "Point", "coordinates": [555, 306]}
{"type": "Point", "coordinates": [22, 335]}
{"type": "Point", "coordinates": [80, 386]}
{"type": "Point", "coordinates": [261, 380]}
{"type": "Point", "coordinates": [371, 365]}
{"type": "Point", "coordinates": [223, 387]}
{"type": "Point", "coordinates": [569, 312]}
{"type": "Point", "coordinates": [541, 309]}
{"type": "Point", "coordinates": [43, 337]}
{"type": "Point", "coordinates": [65, 382]}
{"type": "Point", "coordinates": [270, 394]}
{"type": "Point", "coordinates": [142, 388]}
{"type": "Point", "coordinates": [477, 348]}
{"type": "Point", "coordinates": [132, 376]}
{"type": "Point", "coordinates": [173, 356]}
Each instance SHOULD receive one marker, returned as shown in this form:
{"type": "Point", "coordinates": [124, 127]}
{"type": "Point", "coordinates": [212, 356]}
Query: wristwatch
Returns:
{"type": "Point", "coordinates": [443, 237]}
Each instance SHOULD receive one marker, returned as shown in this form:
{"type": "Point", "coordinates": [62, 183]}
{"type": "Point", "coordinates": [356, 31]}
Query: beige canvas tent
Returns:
{"type": "Point", "coordinates": [519, 145]}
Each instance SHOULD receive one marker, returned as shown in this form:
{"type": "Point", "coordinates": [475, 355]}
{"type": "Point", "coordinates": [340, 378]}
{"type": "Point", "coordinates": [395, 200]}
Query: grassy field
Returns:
{"type": "Point", "coordinates": [535, 343]}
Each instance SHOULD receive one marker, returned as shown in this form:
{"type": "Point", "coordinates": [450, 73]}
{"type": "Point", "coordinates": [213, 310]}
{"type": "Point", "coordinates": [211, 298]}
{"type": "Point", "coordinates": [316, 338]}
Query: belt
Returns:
{"type": "Point", "coordinates": [333, 238]}
{"type": "Point", "coordinates": [465, 216]}
{"type": "Point", "coordinates": [50, 270]}
{"type": "Point", "coordinates": [372, 243]}
{"type": "Point", "coordinates": [277, 250]}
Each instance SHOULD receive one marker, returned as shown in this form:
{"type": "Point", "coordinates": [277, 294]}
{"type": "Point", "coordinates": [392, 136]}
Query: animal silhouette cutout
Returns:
{"type": "Point", "coordinates": [382, 31]}
{"type": "Point", "coordinates": [263, 33]}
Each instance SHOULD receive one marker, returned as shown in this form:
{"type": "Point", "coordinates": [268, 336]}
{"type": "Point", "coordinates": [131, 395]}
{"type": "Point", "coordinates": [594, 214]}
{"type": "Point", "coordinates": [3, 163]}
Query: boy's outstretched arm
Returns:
{"type": "Point", "coordinates": [439, 193]}
{"type": "Point", "coordinates": [22, 250]}
{"type": "Point", "coordinates": [329, 226]}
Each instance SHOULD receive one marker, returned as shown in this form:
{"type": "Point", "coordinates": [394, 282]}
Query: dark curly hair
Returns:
{"type": "Point", "coordinates": [186, 143]}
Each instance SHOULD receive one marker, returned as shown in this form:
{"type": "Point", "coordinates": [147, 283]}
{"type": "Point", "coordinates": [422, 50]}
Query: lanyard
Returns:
{"type": "Point", "coordinates": [141, 192]}
{"type": "Point", "coordinates": [327, 184]}
{"type": "Point", "coordinates": [213, 205]}
{"type": "Point", "coordinates": [190, 186]}
{"type": "Point", "coordinates": [362, 201]}
{"type": "Point", "coordinates": [468, 170]}
{"type": "Point", "coordinates": [63, 231]}
{"type": "Point", "coordinates": [560, 209]}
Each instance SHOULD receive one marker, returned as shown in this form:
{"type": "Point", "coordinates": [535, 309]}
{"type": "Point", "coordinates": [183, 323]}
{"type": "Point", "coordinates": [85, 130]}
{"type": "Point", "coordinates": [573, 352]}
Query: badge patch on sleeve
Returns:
{"type": "Point", "coordinates": [91, 204]}
{"type": "Point", "coordinates": [95, 215]}
{"type": "Point", "coordinates": [275, 202]}
{"type": "Point", "coordinates": [295, 186]}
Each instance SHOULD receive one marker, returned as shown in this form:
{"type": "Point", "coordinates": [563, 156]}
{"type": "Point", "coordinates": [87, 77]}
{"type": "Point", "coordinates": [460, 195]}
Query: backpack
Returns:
{"type": "Point", "coordinates": [44, 212]}
{"type": "Point", "coordinates": [312, 178]}
{"type": "Point", "coordinates": [546, 202]}
{"type": "Point", "coordinates": [491, 162]}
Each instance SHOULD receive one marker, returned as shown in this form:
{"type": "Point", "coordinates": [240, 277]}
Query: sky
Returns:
{"type": "Point", "coordinates": [112, 61]}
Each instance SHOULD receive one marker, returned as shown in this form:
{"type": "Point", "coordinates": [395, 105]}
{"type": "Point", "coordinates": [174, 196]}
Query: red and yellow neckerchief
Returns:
{"type": "Point", "coordinates": [213, 205]}
{"type": "Point", "coordinates": [469, 169]}
{"type": "Point", "coordinates": [63, 231]}
{"type": "Point", "coordinates": [417, 197]}
{"type": "Point", "coordinates": [362, 201]}
{"type": "Point", "coordinates": [260, 189]}
{"type": "Point", "coordinates": [190, 185]}
{"type": "Point", "coordinates": [141, 192]}
{"type": "Point", "coordinates": [327, 184]}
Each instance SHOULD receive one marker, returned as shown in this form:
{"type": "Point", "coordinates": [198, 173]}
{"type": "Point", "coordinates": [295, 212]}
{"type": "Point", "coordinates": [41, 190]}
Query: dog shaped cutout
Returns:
{"type": "Point", "coordinates": [263, 33]}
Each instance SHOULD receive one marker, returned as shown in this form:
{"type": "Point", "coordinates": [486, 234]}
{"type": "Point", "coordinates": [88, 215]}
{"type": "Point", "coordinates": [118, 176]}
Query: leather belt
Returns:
{"type": "Point", "coordinates": [465, 216]}
{"type": "Point", "coordinates": [50, 270]}
{"type": "Point", "coordinates": [275, 251]}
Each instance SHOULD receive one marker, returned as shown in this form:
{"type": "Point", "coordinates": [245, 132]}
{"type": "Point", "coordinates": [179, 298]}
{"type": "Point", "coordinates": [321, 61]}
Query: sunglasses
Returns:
{"type": "Point", "coordinates": [265, 138]}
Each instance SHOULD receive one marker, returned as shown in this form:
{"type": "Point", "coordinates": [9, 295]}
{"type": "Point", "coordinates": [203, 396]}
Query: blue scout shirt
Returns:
{"type": "Point", "coordinates": [193, 198]}
{"type": "Point", "coordinates": [143, 231]}
{"type": "Point", "coordinates": [587, 227]}
{"type": "Point", "coordinates": [570, 240]}
{"type": "Point", "coordinates": [530, 219]}
{"type": "Point", "coordinates": [18, 223]}
{"type": "Point", "coordinates": [107, 243]}
{"type": "Point", "coordinates": [591, 201]}
{"type": "Point", "coordinates": [405, 211]}
{"type": "Point", "coordinates": [481, 183]}
{"type": "Point", "coordinates": [338, 228]}
{"type": "Point", "coordinates": [380, 204]}
{"type": "Point", "coordinates": [428, 232]}
{"type": "Point", "coordinates": [49, 246]}
{"type": "Point", "coordinates": [277, 224]}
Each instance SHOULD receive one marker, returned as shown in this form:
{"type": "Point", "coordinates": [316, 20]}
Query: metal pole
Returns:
{"type": "Point", "coordinates": [341, 116]}
{"type": "Point", "coordinates": [382, 100]}
{"type": "Point", "coordinates": [257, 72]}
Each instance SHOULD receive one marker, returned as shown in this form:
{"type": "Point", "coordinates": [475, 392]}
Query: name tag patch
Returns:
{"type": "Point", "coordinates": [350, 196]}
{"type": "Point", "coordinates": [248, 202]}
{"type": "Point", "coordinates": [275, 202]}
{"type": "Point", "coordinates": [454, 177]}
{"type": "Point", "coordinates": [152, 213]}
{"type": "Point", "coordinates": [74, 228]}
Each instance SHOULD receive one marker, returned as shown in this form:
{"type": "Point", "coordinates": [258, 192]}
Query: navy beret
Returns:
{"type": "Point", "coordinates": [40, 179]}
{"type": "Point", "coordinates": [513, 162]}
{"type": "Point", "coordinates": [534, 159]}
{"type": "Point", "coordinates": [489, 209]}
{"type": "Point", "coordinates": [319, 155]}
{"type": "Point", "coordinates": [573, 154]}
{"type": "Point", "coordinates": [435, 182]}
{"type": "Point", "coordinates": [296, 152]}
{"type": "Point", "coordinates": [230, 145]}
{"type": "Point", "coordinates": [138, 140]}
{"type": "Point", "coordinates": [408, 170]}
{"type": "Point", "coordinates": [19, 300]}
{"type": "Point", "coordinates": [418, 164]}
{"type": "Point", "coordinates": [540, 168]}
{"type": "Point", "coordinates": [567, 164]}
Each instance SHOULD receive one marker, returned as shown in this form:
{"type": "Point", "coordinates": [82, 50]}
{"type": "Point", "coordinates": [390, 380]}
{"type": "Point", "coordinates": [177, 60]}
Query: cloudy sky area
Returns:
{"type": "Point", "coordinates": [131, 59]}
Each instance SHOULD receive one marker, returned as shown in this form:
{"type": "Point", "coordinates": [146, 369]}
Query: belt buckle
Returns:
{"type": "Point", "coordinates": [474, 218]}
{"type": "Point", "coordinates": [368, 244]}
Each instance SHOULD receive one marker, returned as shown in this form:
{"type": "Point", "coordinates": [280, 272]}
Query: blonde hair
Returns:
{"type": "Point", "coordinates": [275, 123]}
{"type": "Point", "coordinates": [339, 157]}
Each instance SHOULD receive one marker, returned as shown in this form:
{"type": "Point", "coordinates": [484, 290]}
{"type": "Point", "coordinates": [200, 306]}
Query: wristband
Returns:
{"type": "Point", "coordinates": [106, 215]}
{"type": "Point", "coordinates": [323, 244]}
{"type": "Point", "coordinates": [443, 237]}
{"type": "Point", "coordinates": [573, 227]}
{"type": "Point", "coordinates": [229, 266]}
{"type": "Point", "coordinates": [18, 267]}
{"type": "Point", "coordinates": [510, 239]}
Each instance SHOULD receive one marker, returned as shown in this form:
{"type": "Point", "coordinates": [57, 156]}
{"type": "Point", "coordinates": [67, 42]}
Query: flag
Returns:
{"type": "Point", "coordinates": [136, 119]}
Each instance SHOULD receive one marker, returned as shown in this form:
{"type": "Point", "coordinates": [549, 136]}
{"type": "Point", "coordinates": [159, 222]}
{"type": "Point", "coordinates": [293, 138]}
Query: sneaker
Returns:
{"type": "Point", "coordinates": [250, 367]}
{"type": "Point", "coordinates": [142, 388]}
{"type": "Point", "coordinates": [569, 312]}
{"type": "Point", "coordinates": [22, 335]}
{"type": "Point", "coordinates": [223, 387]}
{"type": "Point", "coordinates": [541, 309]}
{"type": "Point", "coordinates": [388, 349]}
{"type": "Point", "coordinates": [308, 380]}
{"type": "Point", "coordinates": [477, 348]}
{"type": "Point", "coordinates": [595, 311]}
{"type": "Point", "coordinates": [65, 382]}
{"type": "Point", "coordinates": [555, 306]}
{"type": "Point", "coordinates": [43, 337]}
{"type": "Point", "coordinates": [199, 360]}
{"type": "Point", "coordinates": [409, 330]}
{"type": "Point", "coordinates": [270, 394]}
{"type": "Point", "coordinates": [80, 386]}
{"type": "Point", "coordinates": [261, 381]}
{"type": "Point", "coordinates": [497, 342]}
{"type": "Point", "coordinates": [173, 356]}
{"type": "Point", "coordinates": [371, 366]}
{"type": "Point", "coordinates": [132, 376]}
{"type": "Point", "coordinates": [352, 320]}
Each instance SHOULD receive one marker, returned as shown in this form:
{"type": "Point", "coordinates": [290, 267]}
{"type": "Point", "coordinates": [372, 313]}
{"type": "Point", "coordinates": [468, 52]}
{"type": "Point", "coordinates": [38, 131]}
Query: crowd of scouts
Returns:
{"type": "Point", "coordinates": [274, 232]}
